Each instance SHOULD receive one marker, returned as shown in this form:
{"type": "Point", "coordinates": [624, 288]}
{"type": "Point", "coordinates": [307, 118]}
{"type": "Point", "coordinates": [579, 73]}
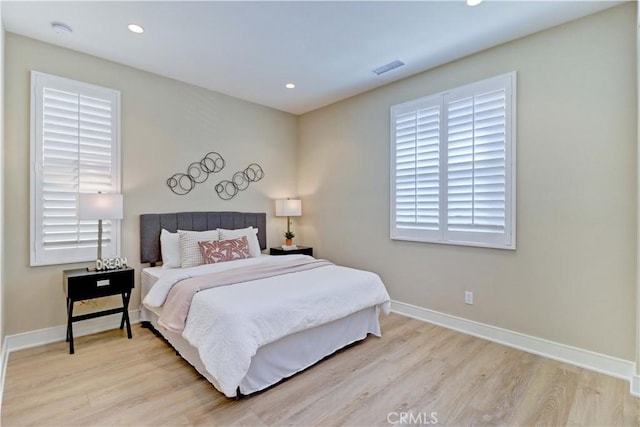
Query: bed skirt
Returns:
{"type": "Point", "coordinates": [287, 356]}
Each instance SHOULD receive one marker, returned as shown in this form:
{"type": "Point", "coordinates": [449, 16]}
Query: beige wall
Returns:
{"type": "Point", "coordinates": [166, 125]}
{"type": "Point", "coordinates": [572, 277]}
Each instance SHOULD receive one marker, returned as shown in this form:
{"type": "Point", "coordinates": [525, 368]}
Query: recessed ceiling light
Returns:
{"type": "Point", "coordinates": [61, 28]}
{"type": "Point", "coordinates": [473, 2]}
{"type": "Point", "coordinates": [135, 28]}
{"type": "Point", "coordinates": [289, 85]}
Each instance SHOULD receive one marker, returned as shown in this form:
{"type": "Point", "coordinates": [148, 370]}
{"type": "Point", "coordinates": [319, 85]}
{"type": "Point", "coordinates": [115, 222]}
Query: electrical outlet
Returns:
{"type": "Point", "coordinates": [468, 297]}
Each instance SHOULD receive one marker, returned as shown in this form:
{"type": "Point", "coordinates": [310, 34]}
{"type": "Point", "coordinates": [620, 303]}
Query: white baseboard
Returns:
{"type": "Point", "coordinates": [635, 385]}
{"type": "Point", "coordinates": [587, 359]}
{"type": "Point", "coordinates": [57, 333]}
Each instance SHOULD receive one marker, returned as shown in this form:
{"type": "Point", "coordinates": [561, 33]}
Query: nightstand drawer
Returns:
{"type": "Point", "coordinates": [87, 285]}
{"type": "Point", "coordinates": [303, 250]}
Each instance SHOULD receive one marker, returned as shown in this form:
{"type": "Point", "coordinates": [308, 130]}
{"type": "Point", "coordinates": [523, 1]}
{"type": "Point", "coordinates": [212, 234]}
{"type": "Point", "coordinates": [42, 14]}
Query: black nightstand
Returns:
{"type": "Point", "coordinates": [304, 250]}
{"type": "Point", "coordinates": [81, 284]}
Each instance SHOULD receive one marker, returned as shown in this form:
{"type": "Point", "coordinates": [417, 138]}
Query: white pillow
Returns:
{"type": "Point", "coordinates": [170, 249]}
{"type": "Point", "coordinates": [252, 237]}
{"type": "Point", "coordinates": [190, 254]}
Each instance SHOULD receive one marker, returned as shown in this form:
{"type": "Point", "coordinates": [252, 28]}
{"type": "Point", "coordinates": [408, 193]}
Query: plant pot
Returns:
{"type": "Point", "coordinates": [288, 242]}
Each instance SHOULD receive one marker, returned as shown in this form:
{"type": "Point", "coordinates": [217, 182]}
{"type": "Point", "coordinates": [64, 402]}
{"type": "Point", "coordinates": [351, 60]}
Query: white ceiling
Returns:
{"type": "Point", "coordinates": [251, 49]}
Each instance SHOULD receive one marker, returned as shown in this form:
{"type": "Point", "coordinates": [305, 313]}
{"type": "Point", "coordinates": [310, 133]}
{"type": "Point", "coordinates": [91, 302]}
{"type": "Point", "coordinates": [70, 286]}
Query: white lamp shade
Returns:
{"type": "Point", "coordinates": [288, 207]}
{"type": "Point", "coordinates": [100, 206]}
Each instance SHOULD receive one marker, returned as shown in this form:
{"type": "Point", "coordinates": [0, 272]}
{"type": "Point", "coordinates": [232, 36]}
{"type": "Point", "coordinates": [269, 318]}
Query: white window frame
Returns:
{"type": "Point", "coordinates": [39, 255]}
{"type": "Point", "coordinates": [442, 234]}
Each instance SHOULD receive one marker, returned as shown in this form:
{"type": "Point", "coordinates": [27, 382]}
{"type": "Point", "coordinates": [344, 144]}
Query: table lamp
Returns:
{"type": "Point", "coordinates": [289, 208]}
{"type": "Point", "coordinates": [100, 206]}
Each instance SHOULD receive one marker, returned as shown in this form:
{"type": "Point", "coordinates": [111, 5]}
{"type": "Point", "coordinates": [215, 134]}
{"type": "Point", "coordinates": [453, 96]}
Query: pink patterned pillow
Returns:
{"type": "Point", "coordinates": [224, 250]}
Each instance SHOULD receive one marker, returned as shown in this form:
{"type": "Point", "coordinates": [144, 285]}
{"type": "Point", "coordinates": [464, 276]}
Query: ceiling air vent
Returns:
{"type": "Point", "coordinates": [388, 67]}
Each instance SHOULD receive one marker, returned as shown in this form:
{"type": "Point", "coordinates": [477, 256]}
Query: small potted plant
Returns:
{"type": "Point", "coordinates": [288, 235]}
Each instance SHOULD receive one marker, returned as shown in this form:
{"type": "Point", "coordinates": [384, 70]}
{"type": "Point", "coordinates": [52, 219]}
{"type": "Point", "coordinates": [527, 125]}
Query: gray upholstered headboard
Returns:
{"type": "Point", "coordinates": [152, 224]}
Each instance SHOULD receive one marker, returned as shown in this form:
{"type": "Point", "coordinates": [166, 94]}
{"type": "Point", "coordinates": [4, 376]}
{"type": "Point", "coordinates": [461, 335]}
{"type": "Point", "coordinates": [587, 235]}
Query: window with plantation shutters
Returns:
{"type": "Point", "coordinates": [453, 166]}
{"type": "Point", "coordinates": [75, 148]}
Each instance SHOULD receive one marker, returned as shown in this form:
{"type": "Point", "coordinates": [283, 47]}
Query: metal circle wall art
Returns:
{"type": "Point", "coordinates": [197, 173]}
{"type": "Point", "coordinates": [240, 181]}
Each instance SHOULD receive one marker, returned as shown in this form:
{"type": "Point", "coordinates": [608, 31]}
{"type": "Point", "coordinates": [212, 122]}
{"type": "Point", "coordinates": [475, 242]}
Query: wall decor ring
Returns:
{"type": "Point", "coordinates": [240, 181]}
{"type": "Point", "coordinates": [254, 172]}
{"type": "Point", "coordinates": [197, 173]}
{"type": "Point", "coordinates": [226, 189]}
{"type": "Point", "coordinates": [181, 183]}
{"type": "Point", "coordinates": [212, 162]}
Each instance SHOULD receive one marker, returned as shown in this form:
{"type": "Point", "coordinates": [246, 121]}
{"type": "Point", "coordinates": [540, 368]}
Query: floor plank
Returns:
{"type": "Point", "coordinates": [417, 373]}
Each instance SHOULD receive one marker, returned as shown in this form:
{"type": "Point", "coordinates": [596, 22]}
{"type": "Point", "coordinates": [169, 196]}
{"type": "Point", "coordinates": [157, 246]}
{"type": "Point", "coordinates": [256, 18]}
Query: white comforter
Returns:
{"type": "Point", "coordinates": [229, 324]}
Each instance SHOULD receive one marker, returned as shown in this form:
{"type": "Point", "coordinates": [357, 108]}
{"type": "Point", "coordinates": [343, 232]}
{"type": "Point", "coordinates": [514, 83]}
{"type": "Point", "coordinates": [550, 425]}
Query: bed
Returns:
{"type": "Point", "coordinates": [246, 337]}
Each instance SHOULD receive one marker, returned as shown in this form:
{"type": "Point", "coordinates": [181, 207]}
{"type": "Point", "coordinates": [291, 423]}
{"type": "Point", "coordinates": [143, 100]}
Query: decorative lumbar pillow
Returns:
{"type": "Point", "coordinates": [170, 249]}
{"type": "Point", "coordinates": [251, 235]}
{"type": "Point", "coordinates": [225, 250]}
{"type": "Point", "coordinates": [190, 254]}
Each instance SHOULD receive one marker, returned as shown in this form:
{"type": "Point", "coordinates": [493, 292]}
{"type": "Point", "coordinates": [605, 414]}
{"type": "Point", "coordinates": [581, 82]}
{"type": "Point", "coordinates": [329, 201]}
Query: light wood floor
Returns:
{"type": "Point", "coordinates": [416, 369]}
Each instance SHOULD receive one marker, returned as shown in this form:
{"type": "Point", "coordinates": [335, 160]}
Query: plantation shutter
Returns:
{"type": "Point", "coordinates": [416, 158]}
{"type": "Point", "coordinates": [476, 167]}
{"type": "Point", "coordinates": [453, 167]}
{"type": "Point", "coordinates": [75, 150]}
